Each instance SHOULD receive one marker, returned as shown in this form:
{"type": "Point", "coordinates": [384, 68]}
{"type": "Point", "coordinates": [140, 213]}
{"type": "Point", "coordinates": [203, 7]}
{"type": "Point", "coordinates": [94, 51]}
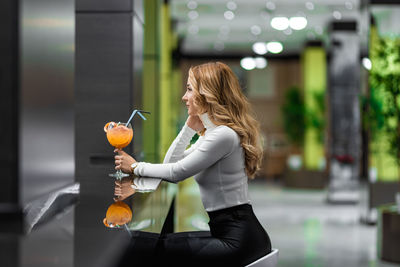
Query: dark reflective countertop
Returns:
{"type": "Point", "coordinates": [66, 227]}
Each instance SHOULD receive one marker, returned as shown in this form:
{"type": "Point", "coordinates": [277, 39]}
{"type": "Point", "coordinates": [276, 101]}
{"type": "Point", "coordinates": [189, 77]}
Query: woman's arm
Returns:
{"type": "Point", "coordinates": [192, 147]}
{"type": "Point", "coordinates": [176, 150]}
{"type": "Point", "coordinates": [214, 146]}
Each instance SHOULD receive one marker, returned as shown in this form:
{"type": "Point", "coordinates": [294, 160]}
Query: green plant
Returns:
{"type": "Point", "coordinates": [372, 116]}
{"type": "Point", "coordinates": [293, 112]}
{"type": "Point", "coordinates": [315, 116]}
{"type": "Point", "coordinates": [385, 79]}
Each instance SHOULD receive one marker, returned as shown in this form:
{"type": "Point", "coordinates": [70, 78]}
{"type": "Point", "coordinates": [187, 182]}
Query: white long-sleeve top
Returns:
{"type": "Point", "coordinates": [216, 160]}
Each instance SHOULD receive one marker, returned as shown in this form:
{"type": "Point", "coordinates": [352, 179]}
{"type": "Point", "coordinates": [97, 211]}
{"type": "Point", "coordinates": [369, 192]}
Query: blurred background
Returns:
{"type": "Point", "coordinates": [322, 76]}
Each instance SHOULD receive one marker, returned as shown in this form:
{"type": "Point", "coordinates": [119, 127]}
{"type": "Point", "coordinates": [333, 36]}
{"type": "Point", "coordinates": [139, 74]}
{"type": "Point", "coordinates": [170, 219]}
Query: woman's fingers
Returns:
{"type": "Point", "coordinates": [118, 162]}
{"type": "Point", "coordinates": [119, 151]}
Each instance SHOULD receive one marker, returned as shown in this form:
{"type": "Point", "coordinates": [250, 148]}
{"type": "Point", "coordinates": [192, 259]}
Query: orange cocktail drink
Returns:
{"type": "Point", "coordinates": [119, 136]}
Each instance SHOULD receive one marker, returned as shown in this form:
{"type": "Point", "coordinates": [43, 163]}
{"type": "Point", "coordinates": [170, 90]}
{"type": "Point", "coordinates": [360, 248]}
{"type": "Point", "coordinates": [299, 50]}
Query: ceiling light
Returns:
{"type": "Point", "coordinates": [337, 15]}
{"type": "Point", "coordinates": [270, 5]}
{"type": "Point", "coordinates": [274, 47]}
{"type": "Point", "coordinates": [367, 63]}
{"type": "Point", "coordinates": [248, 63]}
{"type": "Point", "coordinates": [349, 5]}
{"type": "Point", "coordinates": [193, 29]}
{"type": "Point", "coordinates": [231, 5]}
{"type": "Point", "coordinates": [229, 15]}
{"type": "Point", "coordinates": [193, 14]}
{"type": "Point", "coordinates": [261, 62]}
{"type": "Point", "coordinates": [255, 29]}
{"type": "Point", "coordinates": [309, 5]}
{"type": "Point", "coordinates": [297, 23]}
{"type": "Point", "coordinates": [260, 48]}
{"type": "Point", "coordinates": [280, 23]}
{"type": "Point", "coordinates": [192, 4]}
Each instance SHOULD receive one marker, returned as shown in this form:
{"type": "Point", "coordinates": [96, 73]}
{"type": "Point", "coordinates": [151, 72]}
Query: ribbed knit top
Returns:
{"type": "Point", "coordinates": [216, 160]}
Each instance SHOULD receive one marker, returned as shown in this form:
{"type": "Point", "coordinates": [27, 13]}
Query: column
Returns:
{"type": "Point", "coordinates": [344, 112]}
{"type": "Point", "coordinates": [151, 78]}
{"type": "Point", "coordinates": [314, 75]}
{"type": "Point", "coordinates": [10, 210]}
{"type": "Point", "coordinates": [108, 80]}
{"type": "Point", "coordinates": [166, 123]}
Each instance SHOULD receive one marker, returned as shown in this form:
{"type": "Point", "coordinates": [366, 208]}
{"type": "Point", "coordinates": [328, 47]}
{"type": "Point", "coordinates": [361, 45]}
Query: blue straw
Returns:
{"type": "Point", "coordinates": [138, 112]}
{"type": "Point", "coordinates": [131, 117]}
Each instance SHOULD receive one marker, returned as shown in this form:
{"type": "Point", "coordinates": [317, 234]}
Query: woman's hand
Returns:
{"type": "Point", "coordinates": [195, 123]}
{"type": "Point", "coordinates": [123, 161]}
{"type": "Point", "coordinates": [123, 189]}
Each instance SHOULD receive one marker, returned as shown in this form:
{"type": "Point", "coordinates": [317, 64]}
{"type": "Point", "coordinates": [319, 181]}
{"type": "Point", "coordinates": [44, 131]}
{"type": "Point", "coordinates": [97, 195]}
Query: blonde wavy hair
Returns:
{"type": "Point", "coordinates": [217, 91]}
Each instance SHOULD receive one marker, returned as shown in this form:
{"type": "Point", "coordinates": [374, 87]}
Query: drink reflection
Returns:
{"type": "Point", "coordinates": [123, 188]}
{"type": "Point", "coordinates": [118, 214]}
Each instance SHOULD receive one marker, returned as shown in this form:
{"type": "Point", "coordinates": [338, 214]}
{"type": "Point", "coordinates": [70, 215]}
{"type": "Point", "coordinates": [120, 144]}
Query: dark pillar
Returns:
{"type": "Point", "coordinates": [10, 210]}
{"type": "Point", "coordinates": [108, 67]}
{"type": "Point", "coordinates": [344, 110]}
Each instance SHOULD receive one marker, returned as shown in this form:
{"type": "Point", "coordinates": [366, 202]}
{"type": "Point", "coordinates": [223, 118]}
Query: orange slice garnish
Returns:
{"type": "Point", "coordinates": [106, 126]}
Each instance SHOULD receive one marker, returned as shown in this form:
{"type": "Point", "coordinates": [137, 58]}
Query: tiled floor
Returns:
{"type": "Point", "coordinates": [309, 232]}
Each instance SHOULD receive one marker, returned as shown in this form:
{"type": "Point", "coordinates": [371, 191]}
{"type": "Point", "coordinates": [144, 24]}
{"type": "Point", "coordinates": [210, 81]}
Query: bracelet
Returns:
{"type": "Point", "coordinates": [133, 166]}
{"type": "Point", "coordinates": [133, 185]}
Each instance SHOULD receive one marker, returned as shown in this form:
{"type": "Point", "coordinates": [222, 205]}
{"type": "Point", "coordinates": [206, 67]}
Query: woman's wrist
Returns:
{"type": "Point", "coordinates": [133, 167]}
{"type": "Point", "coordinates": [133, 185]}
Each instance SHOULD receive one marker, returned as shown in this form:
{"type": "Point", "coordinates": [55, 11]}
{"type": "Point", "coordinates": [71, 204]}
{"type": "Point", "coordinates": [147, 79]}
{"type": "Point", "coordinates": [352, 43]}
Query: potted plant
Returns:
{"type": "Point", "coordinates": [385, 79]}
{"type": "Point", "coordinates": [295, 120]}
{"type": "Point", "coordinates": [293, 112]}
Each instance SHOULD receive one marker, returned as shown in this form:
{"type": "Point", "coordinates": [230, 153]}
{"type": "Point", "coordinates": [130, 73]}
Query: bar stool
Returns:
{"type": "Point", "coordinates": [269, 260]}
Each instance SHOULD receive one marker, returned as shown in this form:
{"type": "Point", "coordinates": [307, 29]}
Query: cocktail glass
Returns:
{"type": "Point", "coordinates": [119, 135]}
{"type": "Point", "coordinates": [118, 215]}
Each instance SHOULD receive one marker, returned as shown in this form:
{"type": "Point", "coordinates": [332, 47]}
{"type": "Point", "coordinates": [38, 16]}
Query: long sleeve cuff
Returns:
{"type": "Point", "coordinates": [176, 150]}
{"type": "Point", "coordinates": [187, 132]}
{"type": "Point", "coordinates": [174, 153]}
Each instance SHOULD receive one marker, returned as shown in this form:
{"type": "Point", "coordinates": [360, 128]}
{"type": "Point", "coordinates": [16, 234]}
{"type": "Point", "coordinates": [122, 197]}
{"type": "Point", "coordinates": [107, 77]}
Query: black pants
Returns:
{"type": "Point", "coordinates": [236, 238]}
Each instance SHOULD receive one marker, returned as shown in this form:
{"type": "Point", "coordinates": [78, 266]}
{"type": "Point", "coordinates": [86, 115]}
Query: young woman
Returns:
{"type": "Point", "coordinates": [227, 153]}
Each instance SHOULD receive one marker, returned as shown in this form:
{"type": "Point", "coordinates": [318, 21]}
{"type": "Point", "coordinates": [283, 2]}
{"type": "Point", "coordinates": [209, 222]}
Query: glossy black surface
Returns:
{"type": "Point", "coordinates": [149, 213]}
{"type": "Point", "coordinates": [9, 103]}
{"type": "Point", "coordinates": [66, 232]}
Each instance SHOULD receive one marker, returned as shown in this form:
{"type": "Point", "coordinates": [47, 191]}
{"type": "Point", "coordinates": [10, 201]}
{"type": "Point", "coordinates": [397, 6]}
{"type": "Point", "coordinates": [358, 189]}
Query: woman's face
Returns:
{"type": "Point", "coordinates": [188, 98]}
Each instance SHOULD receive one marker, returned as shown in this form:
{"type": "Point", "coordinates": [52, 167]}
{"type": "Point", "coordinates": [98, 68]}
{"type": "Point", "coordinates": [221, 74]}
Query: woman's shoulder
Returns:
{"type": "Point", "coordinates": [226, 131]}
{"type": "Point", "coordinates": [222, 137]}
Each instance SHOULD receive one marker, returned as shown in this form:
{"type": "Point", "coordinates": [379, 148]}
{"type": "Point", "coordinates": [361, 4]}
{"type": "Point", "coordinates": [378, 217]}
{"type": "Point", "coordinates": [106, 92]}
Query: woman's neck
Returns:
{"type": "Point", "coordinates": [208, 124]}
